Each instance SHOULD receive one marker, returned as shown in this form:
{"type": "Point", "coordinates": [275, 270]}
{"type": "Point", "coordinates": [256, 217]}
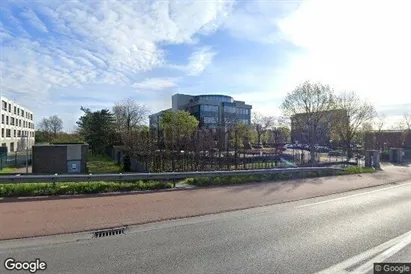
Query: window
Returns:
{"type": "Point", "coordinates": [19, 123]}
{"type": "Point", "coordinates": [11, 147]}
{"type": "Point", "coordinates": [7, 120]}
{"type": "Point", "coordinates": [2, 132]}
{"type": "Point", "coordinates": [15, 110]}
{"type": "Point", "coordinates": [12, 121]}
{"type": "Point", "coordinates": [2, 118]}
{"type": "Point", "coordinates": [19, 133]}
{"type": "Point", "coordinates": [9, 107]}
{"type": "Point", "coordinates": [24, 124]}
{"type": "Point", "coordinates": [4, 105]}
{"type": "Point", "coordinates": [8, 133]}
{"type": "Point", "coordinates": [229, 109]}
{"type": "Point", "coordinates": [210, 120]}
{"type": "Point", "coordinates": [209, 108]}
{"type": "Point", "coordinates": [22, 113]}
{"type": "Point", "coordinates": [14, 133]}
{"type": "Point", "coordinates": [18, 111]}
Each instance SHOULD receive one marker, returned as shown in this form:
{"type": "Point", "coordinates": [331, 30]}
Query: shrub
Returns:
{"type": "Point", "coordinates": [48, 189]}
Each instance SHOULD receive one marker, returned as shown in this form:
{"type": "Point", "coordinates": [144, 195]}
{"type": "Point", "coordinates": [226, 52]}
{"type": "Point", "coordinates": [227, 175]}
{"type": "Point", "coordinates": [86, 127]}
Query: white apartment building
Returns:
{"type": "Point", "coordinates": [17, 126]}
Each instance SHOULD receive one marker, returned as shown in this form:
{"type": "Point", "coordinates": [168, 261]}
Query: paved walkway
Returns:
{"type": "Point", "coordinates": [55, 216]}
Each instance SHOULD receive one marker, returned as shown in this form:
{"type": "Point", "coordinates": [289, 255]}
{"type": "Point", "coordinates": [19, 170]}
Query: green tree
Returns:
{"type": "Point", "coordinates": [97, 128]}
{"type": "Point", "coordinates": [177, 126]}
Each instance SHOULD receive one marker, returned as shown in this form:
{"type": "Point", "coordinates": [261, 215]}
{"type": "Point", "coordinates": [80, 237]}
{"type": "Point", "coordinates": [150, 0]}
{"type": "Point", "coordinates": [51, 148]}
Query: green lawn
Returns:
{"type": "Point", "coordinates": [7, 170]}
{"type": "Point", "coordinates": [102, 164]}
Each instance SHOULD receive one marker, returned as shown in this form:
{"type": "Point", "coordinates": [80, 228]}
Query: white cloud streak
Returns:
{"type": "Point", "coordinates": [97, 42]}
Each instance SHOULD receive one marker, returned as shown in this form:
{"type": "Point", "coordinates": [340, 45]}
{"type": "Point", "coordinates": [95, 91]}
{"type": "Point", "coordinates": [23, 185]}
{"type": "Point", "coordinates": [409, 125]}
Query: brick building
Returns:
{"type": "Point", "coordinates": [385, 139]}
{"type": "Point", "coordinates": [300, 125]}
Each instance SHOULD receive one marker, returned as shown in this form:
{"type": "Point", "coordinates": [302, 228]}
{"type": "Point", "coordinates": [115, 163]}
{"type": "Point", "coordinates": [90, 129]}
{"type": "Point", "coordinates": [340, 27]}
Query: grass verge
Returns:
{"type": "Point", "coordinates": [102, 164]}
{"type": "Point", "coordinates": [7, 170]}
{"type": "Point", "coordinates": [47, 189]}
{"type": "Point", "coordinates": [234, 180]}
{"type": "Point", "coordinates": [356, 170]}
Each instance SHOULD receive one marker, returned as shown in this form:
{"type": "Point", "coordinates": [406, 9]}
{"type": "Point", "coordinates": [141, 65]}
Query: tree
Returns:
{"type": "Point", "coordinates": [358, 112]}
{"type": "Point", "coordinates": [309, 105]}
{"type": "Point", "coordinates": [262, 124]}
{"type": "Point", "coordinates": [380, 121]}
{"type": "Point", "coordinates": [406, 122]}
{"type": "Point", "coordinates": [97, 128]}
{"type": "Point", "coordinates": [365, 128]}
{"type": "Point", "coordinates": [129, 115]}
{"type": "Point", "coordinates": [51, 126]}
{"type": "Point", "coordinates": [177, 126]}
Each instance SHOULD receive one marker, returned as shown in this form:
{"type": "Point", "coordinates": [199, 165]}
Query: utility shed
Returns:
{"type": "Point", "coordinates": [60, 158]}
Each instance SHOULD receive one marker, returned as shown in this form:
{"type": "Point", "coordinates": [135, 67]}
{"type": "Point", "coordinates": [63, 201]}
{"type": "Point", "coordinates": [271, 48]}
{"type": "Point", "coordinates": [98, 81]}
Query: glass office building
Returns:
{"type": "Point", "coordinates": [211, 110]}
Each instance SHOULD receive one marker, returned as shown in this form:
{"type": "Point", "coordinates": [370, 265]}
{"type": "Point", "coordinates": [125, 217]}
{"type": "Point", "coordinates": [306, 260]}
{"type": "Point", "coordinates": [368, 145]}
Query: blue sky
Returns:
{"type": "Point", "coordinates": [56, 56]}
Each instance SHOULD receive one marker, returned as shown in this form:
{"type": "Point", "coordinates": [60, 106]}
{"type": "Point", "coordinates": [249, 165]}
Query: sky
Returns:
{"type": "Point", "coordinates": [56, 56]}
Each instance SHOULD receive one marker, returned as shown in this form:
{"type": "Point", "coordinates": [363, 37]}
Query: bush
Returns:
{"type": "Point", "coordinates": [47, 189]}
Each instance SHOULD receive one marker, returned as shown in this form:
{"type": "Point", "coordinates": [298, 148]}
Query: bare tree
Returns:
{"type": "Point", "coordinates": [261, 124]}
{"type": "Point", "coordinates": [309, 105]}
{"type": "Point", "coordinates": [380, 121]}
{"type": "Point", "coordinates": [406, 122]}
{"type": "Point", "coordinates": [51, 125]}
{"type": "Point", "coordinates": [129, 114]}
{"type": "Point", "coordinates": [358, 113]}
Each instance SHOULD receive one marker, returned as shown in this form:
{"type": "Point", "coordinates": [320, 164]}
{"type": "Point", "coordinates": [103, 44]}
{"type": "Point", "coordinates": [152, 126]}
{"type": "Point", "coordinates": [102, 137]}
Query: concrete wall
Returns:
{"type": "Point", "coordinates": [50, 159]}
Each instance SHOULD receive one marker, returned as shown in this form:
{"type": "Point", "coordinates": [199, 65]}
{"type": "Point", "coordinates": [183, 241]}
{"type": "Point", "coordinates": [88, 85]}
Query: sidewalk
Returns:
{"type": "Point", "coordinates": [56, 216]}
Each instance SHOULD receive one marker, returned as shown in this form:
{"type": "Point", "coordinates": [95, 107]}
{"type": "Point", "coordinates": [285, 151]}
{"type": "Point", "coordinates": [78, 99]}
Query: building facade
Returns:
{"type": "Point", "coordinates": [300, 126]}
{"type": "Point", "coordinates": [210, 110]}
{"type": "Point", "coordinates": [17, 126]}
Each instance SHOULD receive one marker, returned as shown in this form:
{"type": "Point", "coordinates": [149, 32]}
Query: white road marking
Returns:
{"type": "Point", "coordinates": [383, 256]}
{"type": "Point", "coordinates": [354, 195]}
{"type": "Point", "coordinates": [390, 247]}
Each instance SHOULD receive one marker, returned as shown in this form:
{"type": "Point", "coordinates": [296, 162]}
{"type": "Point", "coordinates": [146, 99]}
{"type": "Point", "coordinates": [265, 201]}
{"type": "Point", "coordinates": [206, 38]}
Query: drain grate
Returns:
{"type": "Point", "coordinates": [109, 232]}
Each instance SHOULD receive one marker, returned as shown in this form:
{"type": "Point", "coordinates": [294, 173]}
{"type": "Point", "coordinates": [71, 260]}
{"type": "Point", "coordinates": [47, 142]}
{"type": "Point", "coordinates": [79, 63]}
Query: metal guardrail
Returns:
{"type": "Point", "coordinates": [152, 176]}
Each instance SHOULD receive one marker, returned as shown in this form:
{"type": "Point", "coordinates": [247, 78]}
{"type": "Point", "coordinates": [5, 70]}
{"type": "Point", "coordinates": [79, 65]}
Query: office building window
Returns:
{"type": "Point", "coordinates": [19, 123]}
{"type": "Point", "coordinates": [9, 107]}
{"type": "Point", "coordinates": [2, 132]}
{"type": "Point", "coordinates": [19, 133]}
{"type": "Point", "coordinates": [15, 110]}
{"type": "Point", "coordinates": [18, 111]}
{"type": "Point", "coordinates": [2, 118]}
{"type": "Point", "coordinates": [209, 108]}
{"type": "Point", "coordinates": [24, 124]}
{"type": "Point", "coordinates": [12, 121]}
{"type": "Point", "coordinates": [14, 133]}
{"type": "Point", "coordinates": [22, 113]}
{"type": "Point", "coordinates": [7, 120]}
{"type": "Point", "coordinates": [229, 109]}
{"type": "Point", "coordinates": [4, 105]}
{"type": "Point", "coordinates": [210, 120]}
{"type": "Point", "coordinates": [8, 133]}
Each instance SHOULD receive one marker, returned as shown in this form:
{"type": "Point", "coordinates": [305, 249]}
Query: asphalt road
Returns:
{"type": "Point", "coordinates": [334, 234]}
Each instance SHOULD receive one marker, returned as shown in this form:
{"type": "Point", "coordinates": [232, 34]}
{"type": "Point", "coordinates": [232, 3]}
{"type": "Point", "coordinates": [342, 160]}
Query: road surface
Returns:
{"type": "Point", "coordinates": [334, 234]}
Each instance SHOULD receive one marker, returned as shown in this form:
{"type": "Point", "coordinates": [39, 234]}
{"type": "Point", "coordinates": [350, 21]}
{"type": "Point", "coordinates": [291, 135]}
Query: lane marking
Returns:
{"type": "Point", "coordinates": [354, 195]}
{"type": "Point", "coordinates": [390, 247]}
{"type": "Point", "coordinates": [366, 267]}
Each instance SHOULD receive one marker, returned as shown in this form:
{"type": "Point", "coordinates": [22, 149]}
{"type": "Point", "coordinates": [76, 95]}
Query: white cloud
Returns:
{"type": "Point", "coordinates": [361, 46]}
{"type": "Point", "coordinates": [97, 42]}
{"type": "Point", "coordinates": [34, 20]}
{"type": "Point", "coordinates": [156, 83]}
{"type": "Point", "coordinates": [199, 60]}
